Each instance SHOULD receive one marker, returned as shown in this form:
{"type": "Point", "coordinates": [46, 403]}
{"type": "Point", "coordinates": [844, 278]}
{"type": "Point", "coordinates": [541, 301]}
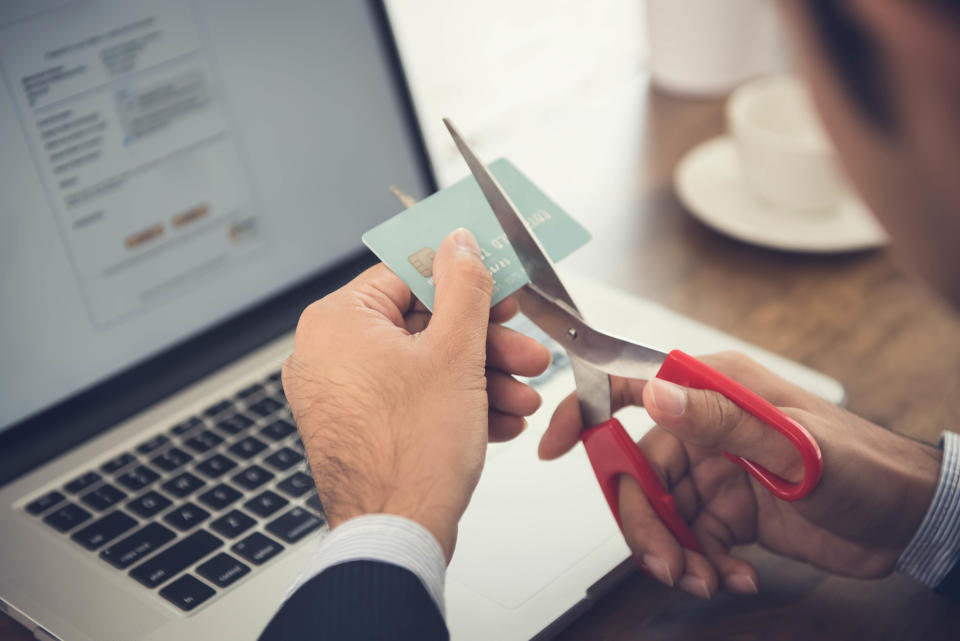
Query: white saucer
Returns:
{"type": "Point", "coordinates": [709, 183]}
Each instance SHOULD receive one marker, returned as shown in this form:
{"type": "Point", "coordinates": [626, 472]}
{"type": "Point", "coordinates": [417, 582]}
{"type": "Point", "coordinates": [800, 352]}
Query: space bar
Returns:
{"type": "Point", "coordinates": [165, 565]}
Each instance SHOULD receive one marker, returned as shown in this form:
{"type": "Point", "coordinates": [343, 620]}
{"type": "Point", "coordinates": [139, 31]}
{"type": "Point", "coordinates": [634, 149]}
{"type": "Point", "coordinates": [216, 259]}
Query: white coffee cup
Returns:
{"type": "Point", "coordinates": [708, 47]}
{"type": "Point", "coordinates": [784, 152]}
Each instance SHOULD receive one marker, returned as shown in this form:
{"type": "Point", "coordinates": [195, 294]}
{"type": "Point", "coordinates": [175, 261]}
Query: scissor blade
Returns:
{"type": "Point", "coordinates": [607, 353]}
{"type": "Point", "coordinates": [593, 393]}
{"type": "Point", "coordinates": [532, 256]}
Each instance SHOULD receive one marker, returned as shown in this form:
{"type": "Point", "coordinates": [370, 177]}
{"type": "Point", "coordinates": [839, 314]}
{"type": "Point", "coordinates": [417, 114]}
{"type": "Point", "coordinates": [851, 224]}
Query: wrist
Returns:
{"type": "Point", "coordinates": [934, 548]}
{"type": "Point", "coordinates": [917, 475]}
{"type": "Point", "coordinates": [438, 528]}
{"type": "Point", "coordinates": [437, 520]}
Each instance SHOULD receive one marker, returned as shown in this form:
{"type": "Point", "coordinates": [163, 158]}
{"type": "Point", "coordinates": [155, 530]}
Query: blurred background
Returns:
{"type": "Point", "coordinates": [641, 118]}
{"type": "Point", "coordinates": [517, 76]}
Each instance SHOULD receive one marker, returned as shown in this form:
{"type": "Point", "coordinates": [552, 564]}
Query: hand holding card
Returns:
{"type": "Point", "coordinates": [406, 243]}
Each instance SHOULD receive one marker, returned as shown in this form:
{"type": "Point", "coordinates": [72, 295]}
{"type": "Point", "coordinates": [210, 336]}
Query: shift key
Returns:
{"type": "Point", "coordinates": [175, 558]}
{"type": "Point", "coordinates": [137, 546]}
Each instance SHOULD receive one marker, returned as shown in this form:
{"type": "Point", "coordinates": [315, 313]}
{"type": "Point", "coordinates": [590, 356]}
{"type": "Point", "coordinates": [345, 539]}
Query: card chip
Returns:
{"type": "Point", "coordinates": [422, 261]}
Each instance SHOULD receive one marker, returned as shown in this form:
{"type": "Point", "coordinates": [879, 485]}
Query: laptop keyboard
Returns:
{"type": "Point", "coordinates": [190, 511]}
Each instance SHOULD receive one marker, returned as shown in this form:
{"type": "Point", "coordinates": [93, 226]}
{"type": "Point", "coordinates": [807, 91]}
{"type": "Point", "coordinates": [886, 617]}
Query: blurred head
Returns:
{"type": "Point", "coordinates": [885, 75]}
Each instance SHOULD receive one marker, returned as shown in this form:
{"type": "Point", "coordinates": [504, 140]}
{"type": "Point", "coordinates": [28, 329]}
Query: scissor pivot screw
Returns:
{"type": "Point", "coordinates": [572, 333]}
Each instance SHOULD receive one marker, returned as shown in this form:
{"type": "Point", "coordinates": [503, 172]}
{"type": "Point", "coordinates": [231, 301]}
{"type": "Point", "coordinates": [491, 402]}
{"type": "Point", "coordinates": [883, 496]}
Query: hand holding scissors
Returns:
{"type": "Point", "coordinates": [595, 355]}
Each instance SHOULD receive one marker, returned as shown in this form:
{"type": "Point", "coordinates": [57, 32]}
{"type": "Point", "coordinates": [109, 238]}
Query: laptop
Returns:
{"type": "Point", "coordinates": [179, 179]}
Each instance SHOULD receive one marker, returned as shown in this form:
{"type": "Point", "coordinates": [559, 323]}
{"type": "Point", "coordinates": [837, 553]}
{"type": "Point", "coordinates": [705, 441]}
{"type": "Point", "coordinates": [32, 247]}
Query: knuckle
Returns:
{"type": "Point", "coordinates": [634, 536]}
{"type": "Point", "coordinates": [311, 315]}
{"type": "Point", "coordinates": [633, 528]}
{"type": "Point", "coordinates": [289, 373]}
{"type": "Point", "coordinates": [721, 414]}
{"type": "Point", "coordinates": [733, 360]}
{"type": "Point", "coordinates": [286, 373]}
{"type": "Point", "coordinates": [294, 374]}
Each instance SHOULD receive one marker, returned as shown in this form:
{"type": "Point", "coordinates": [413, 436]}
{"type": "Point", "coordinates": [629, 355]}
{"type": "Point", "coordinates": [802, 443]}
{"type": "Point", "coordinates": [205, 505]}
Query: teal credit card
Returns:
{"type": "Point", "coordinates": [407, 242]}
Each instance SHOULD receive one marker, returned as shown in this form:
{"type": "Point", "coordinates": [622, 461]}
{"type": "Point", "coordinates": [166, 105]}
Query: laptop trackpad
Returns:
{"type": "Point", "coordinates": [530, 520]}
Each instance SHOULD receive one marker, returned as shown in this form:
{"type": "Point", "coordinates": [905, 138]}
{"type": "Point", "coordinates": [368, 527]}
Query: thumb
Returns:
{"type": "Point", "coordinates": [709, 419]}
{"type": "Point", "coordinates": [463, 288]}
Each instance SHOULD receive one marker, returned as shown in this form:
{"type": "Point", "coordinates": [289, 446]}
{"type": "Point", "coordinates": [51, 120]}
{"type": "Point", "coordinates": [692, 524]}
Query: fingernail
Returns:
{"type": "Point", "coordinates": [465, 240]}
{"type": "Point", "coordinates": [695, 586]}
{"type": "Point", "coordinates": [668, 397]}
{"type": "Point", "coordinates": [742, 583]}
{"type": "Point", "coordinates": [658, 568]}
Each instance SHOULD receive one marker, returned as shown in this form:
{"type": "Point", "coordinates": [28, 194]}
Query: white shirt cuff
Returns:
{"type": "Point", "coordinates": [382, 537]}
{"type": "Point", "coordinates": [935, 548]}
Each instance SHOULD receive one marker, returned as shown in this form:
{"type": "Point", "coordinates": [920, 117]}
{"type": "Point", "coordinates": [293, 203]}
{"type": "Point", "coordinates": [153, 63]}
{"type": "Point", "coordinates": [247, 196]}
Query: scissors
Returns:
{"type": "Point", "coordinates": [595, 355]}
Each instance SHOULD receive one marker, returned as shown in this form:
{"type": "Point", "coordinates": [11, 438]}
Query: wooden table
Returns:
{"type": "Point", "coordinates": [857, 317]}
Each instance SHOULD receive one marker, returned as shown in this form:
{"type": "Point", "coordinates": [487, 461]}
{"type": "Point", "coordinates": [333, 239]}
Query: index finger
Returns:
{"type": "Point", "coordinates": [566, 424]}
{"type": "Point", "coordinates": [383, 291]}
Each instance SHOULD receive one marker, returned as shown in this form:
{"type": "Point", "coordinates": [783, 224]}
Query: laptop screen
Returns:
{"type": "Point", "coordinates": [167, 164]}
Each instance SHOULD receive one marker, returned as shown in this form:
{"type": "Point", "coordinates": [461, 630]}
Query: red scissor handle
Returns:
{"type": "Point", "coordinates": [685, 370]}
{"type": "Point", "coordinates": [612, 452]}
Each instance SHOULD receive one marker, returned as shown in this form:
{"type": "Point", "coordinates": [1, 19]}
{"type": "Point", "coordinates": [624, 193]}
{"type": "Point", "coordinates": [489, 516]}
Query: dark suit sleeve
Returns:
{"type": "Point", "coordinates": [950, 586]}
{"type": "Point", "coordinates": [359, 600]}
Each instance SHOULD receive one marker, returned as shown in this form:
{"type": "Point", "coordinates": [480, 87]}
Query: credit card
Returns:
{"type": "Point", "coordinates": [408, 242]}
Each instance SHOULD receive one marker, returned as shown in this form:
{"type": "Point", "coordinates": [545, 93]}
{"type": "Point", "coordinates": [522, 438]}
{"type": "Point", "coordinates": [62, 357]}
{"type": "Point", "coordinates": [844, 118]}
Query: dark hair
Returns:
{"type": "Point", "coordinates": [856, 57]}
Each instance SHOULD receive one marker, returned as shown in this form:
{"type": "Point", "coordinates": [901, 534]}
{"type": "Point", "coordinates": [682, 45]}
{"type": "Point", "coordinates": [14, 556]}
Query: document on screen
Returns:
{"type": "Point", "coordinates": [132, 138]}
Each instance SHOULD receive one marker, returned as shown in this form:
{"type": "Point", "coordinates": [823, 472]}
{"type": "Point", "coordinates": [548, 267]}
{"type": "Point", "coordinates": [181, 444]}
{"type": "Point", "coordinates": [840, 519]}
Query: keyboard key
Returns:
{"type": "Point", "coordinates": [66, 517]}
{"type": "Point", "coordinates": [187, 425]}
{"type": "Point", "coordinates": [186, 516]}
{"type": "Point", "coordinates": [232, 524]}
{"type": "Point", "coordinates": [103, 497]}
{"type": "Point", "coordinates": [265, 503]}
{"type": "Point", "coordinates": [45, 502]}
{"type": "Point", "coordinates": [138, 545]}
{"type": "Point", "coordinates": [279, 429]}
{"type": "Point", "coordinates": [216, 466]}
{"type": "Point", "coordinates": [235, 424]}
{"type": "Point", "coordinates": [137, 478]}
{"type": "Point", "coordinates": [149, 505]}
{"type": "Point", "coordinates": [297, 484]}
{"type": "Point", "coordinates": [103, 530]}
{"type": "Point", "coordinates": [248, 447]}
{"type": "Point", "coordinates": [257, 548]}
{"type": "Point", "coordinates": [203, 441]}
{"type": "Point", "coordinates": [172, 459]}
{"type": "Point", "coordinates": [82, 482]}
{"type": "Point", "coordinates": [252, 390]}
{"type": "Point", "coordinates": [187, 592]}
{"type": "Point", "coordinates": [252, 477]}
{"type": "Point", "coordinates": [218, 408]}
{"type": "Point", "coordinates": [313, 502]}
{"type": "Point", "coordinates": [118, 462]}
{"type": "Point", "coordinates": [294, 525]}
{"type": "Point", "coordinates": [283, 459]}
{"type": "Point", "coordinates": [153, 444]}
{"type": "Point", "coordinates": [265, 406]}
{"type": "Point", "coordinates": [220, 496]}
{"type": "Point", "coordinates": [275, 377]}
{"type": "Point", "coordinates": [175, 558]}
{"type": "Point", "coordinates": [222, 570]}
{"type": "Point", "coordinates": [183, 484]}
